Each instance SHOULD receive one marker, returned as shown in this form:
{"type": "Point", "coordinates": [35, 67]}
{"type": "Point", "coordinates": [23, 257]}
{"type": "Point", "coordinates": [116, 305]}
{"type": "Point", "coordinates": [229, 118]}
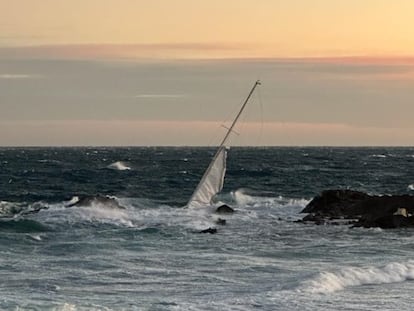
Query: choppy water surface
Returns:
{"type": "Point", "coordinates": [149, 255]}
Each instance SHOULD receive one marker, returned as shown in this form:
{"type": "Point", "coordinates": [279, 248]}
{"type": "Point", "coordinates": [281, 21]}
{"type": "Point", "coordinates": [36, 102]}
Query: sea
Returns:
{"type": "Point", "coordinates": [150, 254]}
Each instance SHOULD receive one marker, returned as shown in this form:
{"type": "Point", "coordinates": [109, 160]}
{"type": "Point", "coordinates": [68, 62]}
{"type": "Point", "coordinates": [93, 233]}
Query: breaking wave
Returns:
{"type": "Point", "coordinates": [8, 209]}
{"type": "Point", "coordinates": [328, 282]}
{"type": "Point", "coordinates": [141, 213]}
{"type": "Point", "coordinates": [119, 165]}
{"type": "Point", "coordinates": [243, 199]}
{"type": "Point", "coordinates": [411, 187]}
{"type": "Point", "coordinates": [96, 214]}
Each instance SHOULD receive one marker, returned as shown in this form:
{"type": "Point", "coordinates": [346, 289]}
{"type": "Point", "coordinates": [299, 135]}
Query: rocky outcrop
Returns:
{"type": "Point", "coordinates": [360, 209]}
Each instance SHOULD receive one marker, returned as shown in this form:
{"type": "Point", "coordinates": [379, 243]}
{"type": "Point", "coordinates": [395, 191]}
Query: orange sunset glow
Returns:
{"type": "Point", "coordinates": [241, 28]}
{"type": "Point", "coordinates": [334, 72]}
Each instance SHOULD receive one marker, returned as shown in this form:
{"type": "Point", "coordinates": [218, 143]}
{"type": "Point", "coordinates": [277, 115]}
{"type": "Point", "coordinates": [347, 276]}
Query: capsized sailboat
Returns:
{"type": "Point", "coordinates": [213, 179]}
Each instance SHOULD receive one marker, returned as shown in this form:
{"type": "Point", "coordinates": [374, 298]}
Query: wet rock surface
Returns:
{"type": "Point", "coordinates": [360, 209]}
{"type": "Point", "coordinates": [224, 209]}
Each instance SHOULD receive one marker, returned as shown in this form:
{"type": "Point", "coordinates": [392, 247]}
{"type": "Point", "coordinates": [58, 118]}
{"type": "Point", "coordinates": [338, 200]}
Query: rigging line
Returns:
{"type": "Point", "coordinates": [259, 95]}
{"type": "Point", "coordinates": [230, 115]}
{"type": "Point", "coordinates": [227, 128]}
{"type": "Point", "coordinates": [215, 138]}
{"type": "Point", "coordinates": [255, 135]}
{"type": "Point", "coordinates": [240, 112]}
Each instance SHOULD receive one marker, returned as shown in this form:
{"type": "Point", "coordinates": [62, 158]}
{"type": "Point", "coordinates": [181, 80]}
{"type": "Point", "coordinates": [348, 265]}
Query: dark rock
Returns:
{"type": "Point", "coordinates": [224, 209]}
{"type": "Point", "coordinates": [360, 209]}
{"type": "Point", "coordinates": [221, 221]}
{"type": "Point", "coordinates": [209, 230]}
{"type": "Point", "coordinates": [335, 203]}
{"type": "Point", "coordinates": [384, 211]}
{"type": "Point", "coordinates": [317, 219]}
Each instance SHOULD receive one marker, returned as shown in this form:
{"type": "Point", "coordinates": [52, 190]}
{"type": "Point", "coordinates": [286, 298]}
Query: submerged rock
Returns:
{"type": "Point", "coordinates": [361, 209]}
{"type": "Point", "coordinates": [209, 230]}
{"type": "Point", "coordinates": [224, 209]}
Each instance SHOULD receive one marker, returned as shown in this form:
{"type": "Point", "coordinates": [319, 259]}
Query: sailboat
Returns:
{"type": "Point", "coordinates": [213, 179]}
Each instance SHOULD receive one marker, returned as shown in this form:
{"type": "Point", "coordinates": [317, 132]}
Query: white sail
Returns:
{"type": "Point", "coordinates": [212, 181]}
{"type": "Point", "coordinates": [213, 178]}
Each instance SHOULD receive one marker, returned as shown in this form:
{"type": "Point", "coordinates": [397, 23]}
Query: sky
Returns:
{"type": "Point", "coordinates": [132, 72]}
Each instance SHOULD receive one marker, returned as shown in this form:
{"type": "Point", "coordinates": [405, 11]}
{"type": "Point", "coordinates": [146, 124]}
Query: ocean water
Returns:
{"type": "Point", "coordinates": [150, 256]}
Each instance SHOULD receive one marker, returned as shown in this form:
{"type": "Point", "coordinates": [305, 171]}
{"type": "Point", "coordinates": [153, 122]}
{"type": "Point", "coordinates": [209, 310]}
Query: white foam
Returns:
{"type": "Point", "coordinates": [411, 187]}
{"type": "Point", "coordinates": [53, 214]}
{"type": "Point", "coordinates": [98, 213]}
{"type": "Point", "coordinates": [119, 165]}
{"type": "Point", "coordinates": [379, 156]}
{"type": "Point", "coordinates": [138, 213]}
{"type": "Point", "coordinates": [72, 201]}
{"type": "Point", "coordinates": [66, 307]}
{"type": "Point", "coordinates": [10, 208]}
{"type": "Point", "coordinates": [35, 237]}
{"type": "Point", "coordinates": [328, 282]}
{"type": "Point", "coordinates": [243, 199]}
{"type": "Point", "coordinates": [5, 203]}
{"type": "Point", "coordinates": [145, 213]}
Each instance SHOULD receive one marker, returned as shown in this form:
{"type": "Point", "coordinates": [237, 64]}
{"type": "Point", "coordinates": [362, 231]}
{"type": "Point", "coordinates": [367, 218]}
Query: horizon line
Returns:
{"type": "Point", "coordinates": [130, 52]}
{"type": "Point", "coordinates": [205, 146]}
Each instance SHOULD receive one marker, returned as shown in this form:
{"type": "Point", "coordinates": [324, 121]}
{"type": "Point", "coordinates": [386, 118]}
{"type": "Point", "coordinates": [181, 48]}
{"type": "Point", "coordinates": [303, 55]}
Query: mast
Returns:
{"type": "Point", "coordinates": [219, 150]}
{"type": "Point", "coordinates": [239, 114]}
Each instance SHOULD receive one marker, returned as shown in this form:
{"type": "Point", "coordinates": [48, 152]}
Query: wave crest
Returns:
{"type": "Point", "coordinates": [243, 199]}
{"type": "Point", "coordinates": [328, 282]}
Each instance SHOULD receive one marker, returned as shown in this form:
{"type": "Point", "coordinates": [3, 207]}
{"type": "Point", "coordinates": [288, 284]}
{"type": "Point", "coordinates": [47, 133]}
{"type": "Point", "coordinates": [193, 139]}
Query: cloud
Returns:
{"type": "Point", "coordinates": [116, 51]}
{"type": "Point", "coordinates": [184, 50]}
{"type": "Point", "coordinates": [13, 76]}
{"type": "Point", "coordinates": [160, 96]}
